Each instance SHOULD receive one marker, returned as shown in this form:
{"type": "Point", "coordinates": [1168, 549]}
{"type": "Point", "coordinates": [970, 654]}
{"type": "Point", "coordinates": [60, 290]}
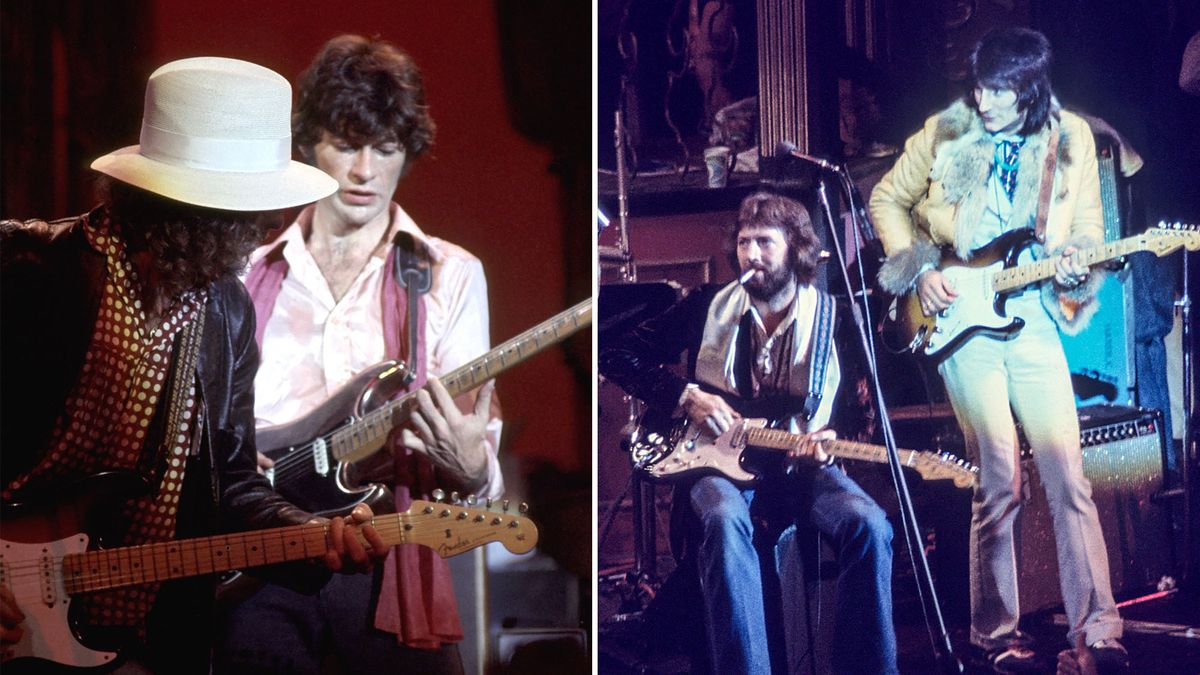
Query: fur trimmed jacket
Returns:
{"type": "Point", "coordinates": [938, 191]}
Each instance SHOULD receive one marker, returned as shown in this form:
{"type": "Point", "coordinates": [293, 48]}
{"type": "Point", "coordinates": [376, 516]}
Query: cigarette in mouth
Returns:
{"type": "Point", "coordinates": [746, 275]}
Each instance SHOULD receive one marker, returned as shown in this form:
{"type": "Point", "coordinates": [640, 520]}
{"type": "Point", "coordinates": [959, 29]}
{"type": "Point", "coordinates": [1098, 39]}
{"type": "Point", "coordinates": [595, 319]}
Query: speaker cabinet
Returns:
{"type": "Point", "coordinates": [1101, 357]}
{"type": "Point", "coordinates": [1122, 458]}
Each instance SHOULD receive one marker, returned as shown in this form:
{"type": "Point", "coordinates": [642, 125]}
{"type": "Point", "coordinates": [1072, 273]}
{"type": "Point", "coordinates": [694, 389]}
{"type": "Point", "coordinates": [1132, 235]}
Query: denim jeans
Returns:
{"type": "Point", "coordinates": [730, 581]}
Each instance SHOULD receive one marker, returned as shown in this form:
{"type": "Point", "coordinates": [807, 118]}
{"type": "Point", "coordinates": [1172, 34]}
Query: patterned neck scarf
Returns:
{"type": "Point", "coordinates": [109, 419]}
{"type": "Point", "coordinates": [1005, 157]}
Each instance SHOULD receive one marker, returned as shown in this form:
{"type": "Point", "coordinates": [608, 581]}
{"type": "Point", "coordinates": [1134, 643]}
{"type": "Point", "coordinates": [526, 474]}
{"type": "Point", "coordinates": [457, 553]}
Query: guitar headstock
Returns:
{"type": "Point", "coordinates": [1169, 236]}
{"type": "Point", "coordinates": [946, 466]}
{"type": "Point", "coordinates": [452, 528]}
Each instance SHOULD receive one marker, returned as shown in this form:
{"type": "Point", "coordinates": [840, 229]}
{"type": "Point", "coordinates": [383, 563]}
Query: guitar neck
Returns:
{"type": "Point", "coordinates": [1023, 275]}
{"type": "Point", "coordinates": [360, 439]}
{"type": "Point", "coordinates": [424, 524]}
{"type": "Point", "coordinates": [779, 439]}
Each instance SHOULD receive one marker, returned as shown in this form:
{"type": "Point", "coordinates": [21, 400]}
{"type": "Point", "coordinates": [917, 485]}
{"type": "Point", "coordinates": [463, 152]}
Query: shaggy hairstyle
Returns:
{"type": "Point", "coordinates": [763, 209]}
{"type": "Point", "coordinates": [190, 246]}
{"type": "Point", "coordinates": [364, 91]}
{"type": "Point", "coordinates": [1017, 59]}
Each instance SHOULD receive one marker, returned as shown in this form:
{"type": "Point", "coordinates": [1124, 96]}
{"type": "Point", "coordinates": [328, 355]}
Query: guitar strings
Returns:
{"type": "Point", "coordinates": [302, 456]}
{"type": "Point", "coordinates": [23, 575]}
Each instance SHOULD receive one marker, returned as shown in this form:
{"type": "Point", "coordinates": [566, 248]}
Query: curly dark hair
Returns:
{"type": "Point", "coordinates": [365, 91]}
{"type": "Point", "coordinates": [190, 246]}
{"type": "Point", "coordinates": [1017, 59]}
{"type": "Point", "coordinates": [765, 209]}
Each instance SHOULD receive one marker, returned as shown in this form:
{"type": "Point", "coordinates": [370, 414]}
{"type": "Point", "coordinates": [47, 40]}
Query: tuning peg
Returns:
{"type": "Point", "coordinates": [471, 500]}
{"type": "Point", "coordinates": [462, 515]}
{"type": "Point", "coordinates": [438, 494]}
{"type": "Point", "coordinates": [523, 508]}
{"type": "Point", "coordinates": [454, 497]}
{"type": "Point", "coordinates": [504, 506]}
{"type": "Point", "coordinates": [479, 518]}
{"type": "Point", "coordinates": [444, 513]}
{"type": "Point", "coordinates": [489, 503]}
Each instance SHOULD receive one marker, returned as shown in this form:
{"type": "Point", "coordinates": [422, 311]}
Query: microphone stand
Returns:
{"type": "Point", "coordinates": [1190, 455]}
{"type": "Point", "coordinates": [943, 650]}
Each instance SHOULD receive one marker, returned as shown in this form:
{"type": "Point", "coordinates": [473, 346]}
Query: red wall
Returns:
{"type": "Point", "coordinates": [484, 186]}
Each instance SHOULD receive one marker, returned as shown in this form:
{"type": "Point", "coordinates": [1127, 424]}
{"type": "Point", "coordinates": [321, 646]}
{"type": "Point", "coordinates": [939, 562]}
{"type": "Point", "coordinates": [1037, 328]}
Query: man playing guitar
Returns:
{"type": "Point", "coordinates": [129, 349]}
{"type": "Point", "coordinates": [329, 306]}
{"type": "Point", "coordinates": [765, 340]}
{"type": "Point", "coordinates": [1007, 158]}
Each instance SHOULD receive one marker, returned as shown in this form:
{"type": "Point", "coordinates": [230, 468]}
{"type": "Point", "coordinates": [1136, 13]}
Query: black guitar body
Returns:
{"type": "Point", "coordinates": [1007, 247]}
{"type": "Point", "coordinates": [335, 487]}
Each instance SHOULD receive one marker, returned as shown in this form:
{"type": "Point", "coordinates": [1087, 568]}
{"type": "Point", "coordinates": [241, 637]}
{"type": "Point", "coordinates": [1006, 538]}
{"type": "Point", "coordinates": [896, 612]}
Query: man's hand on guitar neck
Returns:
{"type": "Point", "coordinates": [1068, 272]}
{"type": "Point", "coordinates": [703, 408]}
{"type": "Point", "coordinates": [809, 451]}
{"type": "Point", "coordinates": [453, 441]}
{"type": "Point", "coordinates": [346, 553]}
{"type": "Point", "coordinates": [935, 291]}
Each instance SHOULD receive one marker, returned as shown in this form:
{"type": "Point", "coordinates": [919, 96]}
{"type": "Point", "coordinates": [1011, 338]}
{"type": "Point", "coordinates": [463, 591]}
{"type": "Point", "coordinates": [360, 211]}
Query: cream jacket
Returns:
{"type": "Point", "coordinates": [937, 192]}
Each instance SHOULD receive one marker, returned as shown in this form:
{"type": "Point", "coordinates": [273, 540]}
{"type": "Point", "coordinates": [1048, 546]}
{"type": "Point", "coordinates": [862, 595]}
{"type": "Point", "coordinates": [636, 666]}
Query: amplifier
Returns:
{"type": "Point", "coordinates": [1122, 458]}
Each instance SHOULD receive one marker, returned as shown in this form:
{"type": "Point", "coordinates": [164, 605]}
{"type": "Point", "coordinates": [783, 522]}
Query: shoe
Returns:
{"type": "Point", "coordinates": [1012, 656]}
{"type": "Point", "coordinates": [1110, 656]}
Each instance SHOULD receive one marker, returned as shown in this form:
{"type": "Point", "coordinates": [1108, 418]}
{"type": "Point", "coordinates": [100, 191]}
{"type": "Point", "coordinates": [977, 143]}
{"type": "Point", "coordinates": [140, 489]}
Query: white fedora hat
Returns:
{"type": "Point", "coordinates": [217, 133]}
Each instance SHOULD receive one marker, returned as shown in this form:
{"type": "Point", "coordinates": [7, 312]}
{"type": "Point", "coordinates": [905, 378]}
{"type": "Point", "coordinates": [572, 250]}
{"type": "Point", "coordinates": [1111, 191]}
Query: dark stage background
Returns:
{"type": "Point", "coordinates": [849, 80]}
{"type": "Point", "coordinates": [508, 177]}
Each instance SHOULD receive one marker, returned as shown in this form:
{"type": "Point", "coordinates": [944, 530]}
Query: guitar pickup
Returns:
{"type": "Point", "coordinates": [320, 453]}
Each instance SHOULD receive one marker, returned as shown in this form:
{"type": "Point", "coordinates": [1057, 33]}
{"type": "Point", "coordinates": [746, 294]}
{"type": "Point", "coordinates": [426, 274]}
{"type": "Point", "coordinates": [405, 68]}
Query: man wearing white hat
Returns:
{"type": "Point", "coordinates": [329, 307]}
{"type": "Point", "coordinates": [128, 346]}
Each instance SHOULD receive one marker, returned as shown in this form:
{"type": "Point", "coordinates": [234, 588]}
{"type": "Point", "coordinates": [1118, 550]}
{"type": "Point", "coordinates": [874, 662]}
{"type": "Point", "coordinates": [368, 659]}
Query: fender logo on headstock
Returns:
{"type": "Point", "coordinates": [459, 544]}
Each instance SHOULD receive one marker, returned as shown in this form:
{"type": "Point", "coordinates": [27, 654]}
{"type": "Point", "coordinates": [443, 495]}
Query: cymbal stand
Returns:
{"type": "Point", "coordinates": [642, 580]}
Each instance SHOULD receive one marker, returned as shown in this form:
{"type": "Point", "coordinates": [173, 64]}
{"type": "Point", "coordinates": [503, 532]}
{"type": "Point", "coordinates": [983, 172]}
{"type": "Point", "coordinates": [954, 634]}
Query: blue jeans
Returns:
{"type": "Point", "coordinates": [730, 581]}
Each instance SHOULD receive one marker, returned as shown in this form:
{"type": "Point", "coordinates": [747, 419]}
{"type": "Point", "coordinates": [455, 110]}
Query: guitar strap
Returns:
{"type": "Point", "coordinates": [412, 272]}
{"type": "Point", "coordinates": [822, 348]}
{"type": "Point", "coordinates": [1047, 188]}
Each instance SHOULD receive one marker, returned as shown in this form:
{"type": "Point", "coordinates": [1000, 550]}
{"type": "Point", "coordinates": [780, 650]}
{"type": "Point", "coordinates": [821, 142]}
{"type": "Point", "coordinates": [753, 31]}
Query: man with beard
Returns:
{"type": "Point", "coordinates": [128, 346]}
{"type": "Point", "coordinates": [762, 346]}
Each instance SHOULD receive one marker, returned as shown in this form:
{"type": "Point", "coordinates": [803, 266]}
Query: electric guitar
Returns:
{"type": "Point", "coordinates": [689, 450]}
{"type": "Point", "coordinates": [991, 275]}
{"type": "Point", "coordinates": [315, 455]}
{"type": "Point", "coordinates": [45, 561]}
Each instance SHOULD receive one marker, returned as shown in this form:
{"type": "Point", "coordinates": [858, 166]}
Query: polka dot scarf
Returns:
{"type": "Point", "coordinates": [107, 420]}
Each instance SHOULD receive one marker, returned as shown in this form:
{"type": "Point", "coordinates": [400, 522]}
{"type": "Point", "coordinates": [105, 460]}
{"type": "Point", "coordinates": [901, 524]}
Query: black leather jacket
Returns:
{"type": "Point", "coordinates": [50, 289]}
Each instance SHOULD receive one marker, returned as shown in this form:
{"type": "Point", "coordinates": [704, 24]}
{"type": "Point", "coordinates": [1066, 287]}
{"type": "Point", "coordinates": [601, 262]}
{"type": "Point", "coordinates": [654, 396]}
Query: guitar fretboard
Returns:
{"type": "Point", "coordinates": [1023, 275]}
{"type": "Point", "coordinates": [359, 439]}
{"type": "Point", "coordinates": [424, 524]}
{"type": "Point", "coordinates": [1161, 241]}
{"type": "Point", "coordinates": [780, 439]}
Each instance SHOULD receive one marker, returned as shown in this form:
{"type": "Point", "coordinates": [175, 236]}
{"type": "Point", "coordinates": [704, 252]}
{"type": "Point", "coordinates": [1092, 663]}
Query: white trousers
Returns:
{"type": "Point", "coordinates": [988, 380]}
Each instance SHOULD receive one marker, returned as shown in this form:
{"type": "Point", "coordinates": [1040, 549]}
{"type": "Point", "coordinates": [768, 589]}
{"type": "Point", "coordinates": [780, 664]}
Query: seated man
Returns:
{"type": "Point", "coordinates": [766, 344]}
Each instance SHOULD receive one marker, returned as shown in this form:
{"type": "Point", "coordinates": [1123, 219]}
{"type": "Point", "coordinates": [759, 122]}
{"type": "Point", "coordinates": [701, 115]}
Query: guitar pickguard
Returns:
{"type": "Point", "coordinates": [31, 572]}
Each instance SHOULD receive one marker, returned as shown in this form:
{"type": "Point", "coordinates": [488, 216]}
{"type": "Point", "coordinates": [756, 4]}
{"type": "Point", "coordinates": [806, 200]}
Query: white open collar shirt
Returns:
{"type": "Point", "coordinates": [312, 344]}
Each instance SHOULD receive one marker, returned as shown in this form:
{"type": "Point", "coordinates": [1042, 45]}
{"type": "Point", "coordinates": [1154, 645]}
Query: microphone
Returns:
{"type": "Point", "coordinates": [788, 148]}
